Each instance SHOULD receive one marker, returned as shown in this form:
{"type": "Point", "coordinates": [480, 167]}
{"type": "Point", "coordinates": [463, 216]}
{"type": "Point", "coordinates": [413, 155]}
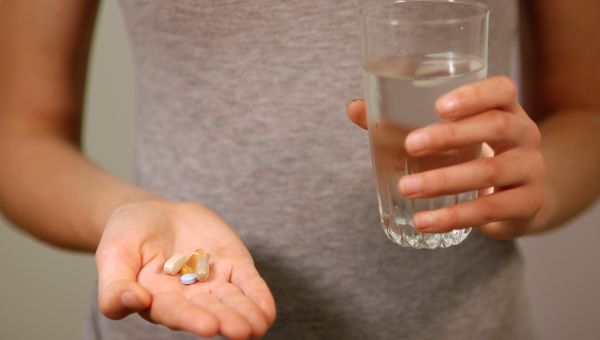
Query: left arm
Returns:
{"type": "Point", "coordinates": [541, 176]}
{"type": "Point", "coordinates": [568, 40]}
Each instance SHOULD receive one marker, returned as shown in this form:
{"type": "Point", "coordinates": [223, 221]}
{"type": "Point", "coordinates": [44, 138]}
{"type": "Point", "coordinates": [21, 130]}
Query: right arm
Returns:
{"type": "Point", "coordinates": [49, 189]}
{"type": "Point", "coordinates": [46, 186]}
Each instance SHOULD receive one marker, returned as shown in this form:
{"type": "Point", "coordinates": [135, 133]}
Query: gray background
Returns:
{"type": "Point", "coordinates": [44, 291]}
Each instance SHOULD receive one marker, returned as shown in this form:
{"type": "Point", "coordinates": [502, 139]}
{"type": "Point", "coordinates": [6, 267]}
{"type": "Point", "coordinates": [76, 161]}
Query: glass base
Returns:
{"type": "Point", "coordinates": [405, 235]}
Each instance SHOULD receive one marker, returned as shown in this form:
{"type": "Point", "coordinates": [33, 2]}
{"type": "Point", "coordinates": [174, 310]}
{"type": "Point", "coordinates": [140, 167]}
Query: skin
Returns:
{"type": "Point", "coordinates": [44, 48]}
{"type": "Point", "coordinates": [235, 301]}
{"type": "Point", "coordinates": [78, 206]}
{"type": "Point", "coordinates": [536, 177]}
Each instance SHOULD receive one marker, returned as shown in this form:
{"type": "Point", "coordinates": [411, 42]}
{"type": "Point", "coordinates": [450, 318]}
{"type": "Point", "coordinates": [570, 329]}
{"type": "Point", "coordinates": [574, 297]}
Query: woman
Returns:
{"type": "Point", "coordinates": [236, 111]}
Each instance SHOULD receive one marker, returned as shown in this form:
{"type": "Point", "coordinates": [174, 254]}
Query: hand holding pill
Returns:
{"type": "Point", "coordinates": [195, 265]}
{"type": "Point", "coordinates": [145, 249]}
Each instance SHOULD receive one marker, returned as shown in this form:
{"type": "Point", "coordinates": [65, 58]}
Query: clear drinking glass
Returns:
{"type": "Point", "coordinates": [415, 51]}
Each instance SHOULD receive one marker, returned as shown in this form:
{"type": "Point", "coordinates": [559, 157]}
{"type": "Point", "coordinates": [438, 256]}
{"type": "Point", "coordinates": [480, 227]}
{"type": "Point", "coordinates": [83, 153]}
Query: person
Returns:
{"type": "Point", "coordinates": [240, 151]}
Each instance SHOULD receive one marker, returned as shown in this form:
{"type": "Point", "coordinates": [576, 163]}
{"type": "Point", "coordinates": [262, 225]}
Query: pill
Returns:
{"type": "Point", "coordinates": [174, 264]}
{"type": "Point", "coordinates": [189, 265]}
{"type": "Point", "coordinates": [202, 267]}
{"type": "Point", "coordinates": [188, 279]}
{"type": "Point", "coordinates": [198, 265]}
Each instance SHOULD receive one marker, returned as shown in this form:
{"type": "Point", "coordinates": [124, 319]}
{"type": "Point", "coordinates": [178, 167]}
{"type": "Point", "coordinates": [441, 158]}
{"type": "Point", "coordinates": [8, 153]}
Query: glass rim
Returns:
{"type": "Point", "coordinates": [364, 12]}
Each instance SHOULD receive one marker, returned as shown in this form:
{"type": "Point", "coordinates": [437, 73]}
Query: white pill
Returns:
{"type": "Point", "coordinates": [188, 279]}
{"type": "Point", "coordinates": [174, 264]}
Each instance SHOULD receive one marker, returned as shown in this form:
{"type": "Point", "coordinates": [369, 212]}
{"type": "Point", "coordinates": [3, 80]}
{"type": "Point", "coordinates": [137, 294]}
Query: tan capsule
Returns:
{"type": "Point", "coordinates": [202, 266]}
{"type": "Point", "coordinates": [189, 265]}
{"type": "Point", "coordinates": [198, 265]}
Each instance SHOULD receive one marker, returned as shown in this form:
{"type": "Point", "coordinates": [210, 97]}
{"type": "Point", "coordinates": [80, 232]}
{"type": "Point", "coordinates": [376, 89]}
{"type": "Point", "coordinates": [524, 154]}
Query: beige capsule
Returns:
{"type": "Point", "coordinates": [174, 264]}
{"type": "Point", "coordinates": [198, 265]}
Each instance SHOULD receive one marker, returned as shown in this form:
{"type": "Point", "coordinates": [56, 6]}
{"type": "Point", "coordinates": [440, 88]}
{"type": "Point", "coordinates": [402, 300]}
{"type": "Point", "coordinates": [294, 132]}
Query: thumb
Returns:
{"type": "Point", "coordinates": [357, 112]}
{"type": "Point", "coordinates": [119, 294]}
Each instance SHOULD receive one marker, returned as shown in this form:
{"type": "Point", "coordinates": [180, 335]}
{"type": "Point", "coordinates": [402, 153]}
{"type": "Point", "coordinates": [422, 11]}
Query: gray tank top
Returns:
{"type": "Point", "coordinates": [241, 107]}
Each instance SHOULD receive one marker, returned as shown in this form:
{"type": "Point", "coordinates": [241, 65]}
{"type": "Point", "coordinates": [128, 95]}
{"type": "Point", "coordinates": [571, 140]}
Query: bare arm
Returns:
{"type": "Point", "coordinates": [46, 186]}
{"type": "Point", "coordinates": [568, 87]}
{"type": "Point", "coordinates": [566, 146]}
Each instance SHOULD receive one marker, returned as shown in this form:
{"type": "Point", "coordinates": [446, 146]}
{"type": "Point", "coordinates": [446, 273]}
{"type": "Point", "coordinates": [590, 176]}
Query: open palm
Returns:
{"type": "Point", "coordinates": [234, 302]}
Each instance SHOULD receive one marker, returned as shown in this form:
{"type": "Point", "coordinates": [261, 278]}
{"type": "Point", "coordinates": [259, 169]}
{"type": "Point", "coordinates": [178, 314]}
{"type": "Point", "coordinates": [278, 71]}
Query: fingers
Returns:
{"type": "Point", "coordinates": [488, 113]}
{"type": "Point", "coordinates": [493, 93]}
{"type": "Point", "coordinates": [176, 312]}
{"type": "Point", "coordinates": [119, 294]}
{"type": "Point", "coordinates": [507, 169]}
{"type": "Point", "coordinates": [357, 112]}
{"type": "Point", "coordinates": [233, 297]}
{"type": "Point", "coordinates": [501, 130]}
{"type": "Point", "coordinates": [255, 288]}
{"type": "Point", "coordinates": [489, 94]}
{"type": "Point", "coordinates": [232, 324]}
{"type": "Point", "coordinates": [224, 310]}
{"type": "Point", "coordinates": [515, 204]}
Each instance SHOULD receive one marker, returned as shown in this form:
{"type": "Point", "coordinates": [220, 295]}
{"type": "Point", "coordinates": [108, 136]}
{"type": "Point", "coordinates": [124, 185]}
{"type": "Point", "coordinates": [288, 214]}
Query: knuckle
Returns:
{"type": "Point", "coordinates": [541, 163]}
{"type": "Point", "coordinates": [535, 135]}
{"type": "Point", "coordinates": [260, 331]}
{"type": "Point", "coordinates": [468, 94]}
{"type": "Point", "coordinates": [452, 216]}
{"type": "Point", "coordinates": [532, 205]}
{"type": "Point", "coordinates": [440, 180]}
{"type": "Point", "coordinates": [501, 122]}
{"type": "Point", "coordinates": [537, 164]}
{"type": "Point", "coordinates": [435, 181]}
{"type": "Point", "coordinates": [488, 210]}
{"type": "Point", "coordinates": [445, 135]}
{"type": "Point", "coordinates": [509, 86]}
{"type": "Point", "coordinates": [535, 206]}
{"type": "Point", "coordinates": [539, 197]}
{"type": "Point", "coordinates": [489, 171]}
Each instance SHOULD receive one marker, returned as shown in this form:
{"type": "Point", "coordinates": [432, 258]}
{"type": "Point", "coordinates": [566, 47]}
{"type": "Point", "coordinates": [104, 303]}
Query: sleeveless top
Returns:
{"type": "Point", "coordinates": [241, 107]}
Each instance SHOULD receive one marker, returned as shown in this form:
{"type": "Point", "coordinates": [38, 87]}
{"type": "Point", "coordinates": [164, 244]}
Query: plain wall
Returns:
{"type": "Point", "coordinates": [44, 291]}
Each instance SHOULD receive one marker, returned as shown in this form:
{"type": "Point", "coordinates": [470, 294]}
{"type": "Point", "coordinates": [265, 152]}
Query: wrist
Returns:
{"type": "Point", "coordinates": [122, 201]}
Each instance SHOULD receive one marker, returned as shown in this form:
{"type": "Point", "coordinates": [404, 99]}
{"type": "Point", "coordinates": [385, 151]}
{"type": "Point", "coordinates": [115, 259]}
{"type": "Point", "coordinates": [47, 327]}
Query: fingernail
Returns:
{"type": "Point", "coordinates": [417, 141]}
{"type": "Point", "coordinates": [352, 101]}
{"type": "Point", "coordinates": [129, 300]}
{"type": "Point", "coordinates": [410, 185]}
{"type": "Point", "coordinates": [447, 103]}
{"type": "Point", "coordinates": [424, 221]}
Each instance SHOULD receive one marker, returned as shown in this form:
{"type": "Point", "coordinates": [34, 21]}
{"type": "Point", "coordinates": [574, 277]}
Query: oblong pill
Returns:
{"type": "Point", "coordinates": [197, 264]}
{"type": "Point", "coordinates": [174, 264]}
{"type": "Point", "coordinates": [188, 279]}
{"type": "Point", "coordinates": [190, 265]}
{"type": "Point", "coordinates": [202, 266]}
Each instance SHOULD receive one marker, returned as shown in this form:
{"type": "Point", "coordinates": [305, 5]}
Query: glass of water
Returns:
{"type": "Point", "coordinates": [414, 52]}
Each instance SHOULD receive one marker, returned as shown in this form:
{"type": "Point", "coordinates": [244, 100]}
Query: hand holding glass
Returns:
{"type": "Point", "coordinates": [414, 52]}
